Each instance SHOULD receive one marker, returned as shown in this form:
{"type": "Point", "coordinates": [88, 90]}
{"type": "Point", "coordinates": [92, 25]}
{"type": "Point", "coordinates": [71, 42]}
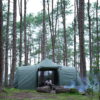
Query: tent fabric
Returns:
{"type": "Point", "coordinates": [48, 64]}
{"type": "Point", "coordinates": [69, 76]}
{"type": "Point", "coordinates": [26, 77]}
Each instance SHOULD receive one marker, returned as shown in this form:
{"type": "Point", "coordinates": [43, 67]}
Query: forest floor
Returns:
{"type": "Point", "coordinates": [16, 94]}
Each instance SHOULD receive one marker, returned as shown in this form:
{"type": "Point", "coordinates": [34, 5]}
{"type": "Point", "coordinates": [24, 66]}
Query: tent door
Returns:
{"type": "Point", "coordinates": [45, 74]}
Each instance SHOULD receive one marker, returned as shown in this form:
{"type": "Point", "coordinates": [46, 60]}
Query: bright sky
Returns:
{"type": "Point", "coordinates": [35, 6]}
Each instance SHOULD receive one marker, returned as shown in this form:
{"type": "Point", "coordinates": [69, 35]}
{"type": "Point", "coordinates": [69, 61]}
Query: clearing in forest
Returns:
{"type": "Point", "coordinates": [16, 94]}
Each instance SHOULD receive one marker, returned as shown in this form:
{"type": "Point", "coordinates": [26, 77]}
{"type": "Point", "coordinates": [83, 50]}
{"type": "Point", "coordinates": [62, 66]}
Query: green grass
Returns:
{"type": "Point", "coordinates": [10, 92]}
{"type": "Point", "coordinates": [17, 90]}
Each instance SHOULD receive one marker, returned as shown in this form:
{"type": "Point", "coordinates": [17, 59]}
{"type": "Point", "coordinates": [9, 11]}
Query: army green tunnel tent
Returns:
{"type": "Point", "coordinates": [30, 77]}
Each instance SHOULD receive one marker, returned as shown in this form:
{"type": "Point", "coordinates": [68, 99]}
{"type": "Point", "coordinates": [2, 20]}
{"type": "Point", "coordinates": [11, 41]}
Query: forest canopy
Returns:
{"type": "Point", "coordinates": [66, 32]}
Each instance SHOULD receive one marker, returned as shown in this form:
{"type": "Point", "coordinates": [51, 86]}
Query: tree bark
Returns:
{"type": "Point", "coordinates": [90, 47]}
{"type": "Point", "coordinates": [49, 15]}
{"type": "Point", "coordinates": [7, 43]}
{"type": "Point", "coordinates": [56, 20]}
{"type": "Point", "coordinates": [25, 35]}
{"type": "Point", "coordinates": [14, 43]}
{"type": "Point", "coordinates": [97, 32]}
{"type": "Point", "coordinates": [20, 46]}
{"type": "Point", "coordinates": [81, 39]}
{"type": "Point", "coordinates": [1, 45]}
{"type": "Point", "coordinates": [75, 21]}
{"type": "Point", "coordinates": [52, 34]}
{"type": "Point", "coordinates": [43, 46]}
{"type": "Point", "coordinates": [51, 25]}
{"type": "Point", "coordinates": [63, 7]}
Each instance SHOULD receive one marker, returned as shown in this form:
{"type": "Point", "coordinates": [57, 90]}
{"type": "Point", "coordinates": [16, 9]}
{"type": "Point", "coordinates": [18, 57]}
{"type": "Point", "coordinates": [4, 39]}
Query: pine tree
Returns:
{"type": "Point", "coordinates": [90, 47]}
{"type": "Point", "coordinates": [43, 37]}
{"type": "Point", "coordinates": [25, 35]}
{"type": "Point", "coordinates": [75, 29]}
{"type": "Point", "coordinates": [81, 39]}
{"type": "Point", "coordinates": [1, 45]}
{"type": "Point", "coordinates": [14, 44]}
{"type": "Point", "coordinates": [63, 7]}
{"type": "Point", "coordinates": [97, 32]}
{"type": "Point", "coordinates": [20, 45]}
{"type": "Point", "coordinates": [7, 43]}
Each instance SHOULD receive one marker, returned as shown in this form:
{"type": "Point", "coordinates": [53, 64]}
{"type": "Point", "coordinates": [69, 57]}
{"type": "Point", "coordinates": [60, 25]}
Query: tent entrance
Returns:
{"type": "Point", "coordinates": [45, 74]}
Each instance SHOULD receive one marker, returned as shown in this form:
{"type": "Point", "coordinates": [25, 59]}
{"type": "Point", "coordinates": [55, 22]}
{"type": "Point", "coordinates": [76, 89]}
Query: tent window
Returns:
{"type": "Point", "coordinates": [44, 74]}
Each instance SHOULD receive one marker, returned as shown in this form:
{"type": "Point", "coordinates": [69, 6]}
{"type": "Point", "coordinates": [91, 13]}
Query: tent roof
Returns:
{"type": "Point", "coordinates": [27, 67]}
{"type": "Point", "coordinates": [46, 63]}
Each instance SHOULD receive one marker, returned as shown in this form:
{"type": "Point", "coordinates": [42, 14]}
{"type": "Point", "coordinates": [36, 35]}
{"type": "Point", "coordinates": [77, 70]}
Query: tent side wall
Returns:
{"type": "Point", "coordinates": [68, 76]}
{"type": "Point", "coordinates": [26, 78]}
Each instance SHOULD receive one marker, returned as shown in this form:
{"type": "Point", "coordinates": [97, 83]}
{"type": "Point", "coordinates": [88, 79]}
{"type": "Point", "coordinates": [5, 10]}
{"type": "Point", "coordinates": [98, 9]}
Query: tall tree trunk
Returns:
{"type": "Point", "coordinates": [1, 45]}
{"type": "Point", "coordinates": [81, 39]}
{"type": "Point", "coordinates": [30, 54]}
{"type": "Point", "coordinates": [63, 7]}
{"type": "Point", "coordinates": [75, 20]}
{"type": "Point", "coordinates": [29, 44]}
{"type": "Point", "coordinates": [52, 34]}
{"type": "Point", "coordinates": [14, 43]}
{"type": "Point", "coordinates": [20, 46]}
{"type": "Point", "coordinates": [90, 49]}
{"type": "Point", "coordinates": [43, 44]}
{"type": "Point", "coordinates": [49, 15]}
{"type": "Point", "coordinates": [56, 20]}
{"type": "Point", "coordinates": [7, 43]}
{"type": "Point", "coordinates": [98, 49]}
{"type": "Point", "coordinates": [25, 35]}
{"type": "Point", "coordinates": [78, 59]}
{"type": "Point", "coordinates": [51, 25]}
{"type": "Point", "coordinates": [92, 38]}
{"type": "Point", "coordinates": [10, 56]}
{"type": "Point", "coordinates": [59, 42]}
{"type": "Point", "coordinates": [97, 31]}
{"type": "Point", "coordinates": [43, 41]}
{"type": "Point", "coordinates": [28, 49]}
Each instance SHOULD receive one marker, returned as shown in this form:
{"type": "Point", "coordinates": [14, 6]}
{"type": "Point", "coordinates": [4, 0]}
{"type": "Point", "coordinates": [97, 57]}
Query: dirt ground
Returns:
{"type": "Point", "coordinates": [15, 94]}
{"type": "Point", "coordinates": [26, 95]}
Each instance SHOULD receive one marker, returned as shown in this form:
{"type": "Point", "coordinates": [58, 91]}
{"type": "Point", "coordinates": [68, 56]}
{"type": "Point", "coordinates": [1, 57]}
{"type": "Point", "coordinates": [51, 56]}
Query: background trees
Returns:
{"type": "Point", "coordinates": [49, 34]}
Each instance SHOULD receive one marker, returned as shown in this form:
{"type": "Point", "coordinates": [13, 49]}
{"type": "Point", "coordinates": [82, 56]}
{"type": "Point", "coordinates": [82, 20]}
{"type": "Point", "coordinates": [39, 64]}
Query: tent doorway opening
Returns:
{"type": "Point", "coordinates": [45, 74]}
